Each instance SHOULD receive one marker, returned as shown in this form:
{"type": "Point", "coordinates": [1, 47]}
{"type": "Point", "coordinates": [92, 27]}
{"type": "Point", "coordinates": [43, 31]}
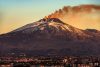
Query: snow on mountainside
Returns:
{"type": "Point", "coordinates": [48, 36]}
{"type": "Point", "coordinates": [53, 26]}
{"type": "Point", "coordinates": [52, 35]}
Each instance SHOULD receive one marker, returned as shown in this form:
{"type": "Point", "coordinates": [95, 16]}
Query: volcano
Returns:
{"type": "Point", "coordinates": [51, 36]}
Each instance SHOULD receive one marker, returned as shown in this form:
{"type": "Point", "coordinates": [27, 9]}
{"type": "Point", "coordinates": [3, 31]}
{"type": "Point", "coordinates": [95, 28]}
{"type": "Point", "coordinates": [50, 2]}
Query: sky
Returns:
{"type": "Point", "coordinates": [16, 13]}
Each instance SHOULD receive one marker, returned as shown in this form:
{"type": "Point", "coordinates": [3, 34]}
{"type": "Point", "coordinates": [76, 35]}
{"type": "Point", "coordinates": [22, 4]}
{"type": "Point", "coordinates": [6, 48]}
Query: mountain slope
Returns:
{"type": "Point", "coordinates": [50, 37]}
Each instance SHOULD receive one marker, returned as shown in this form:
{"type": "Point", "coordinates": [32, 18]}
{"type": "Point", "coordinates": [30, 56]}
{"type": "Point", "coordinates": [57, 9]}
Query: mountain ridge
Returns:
{"type": "Point", "coordinates": [46, 37]}
{"type": "Point", "coordinates": [51, 35]}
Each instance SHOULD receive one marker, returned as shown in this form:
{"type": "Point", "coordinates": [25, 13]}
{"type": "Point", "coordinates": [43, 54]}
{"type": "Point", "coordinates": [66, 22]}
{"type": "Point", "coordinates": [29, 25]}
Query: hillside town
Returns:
{"type": "Point", "coordinates": [53, 61]}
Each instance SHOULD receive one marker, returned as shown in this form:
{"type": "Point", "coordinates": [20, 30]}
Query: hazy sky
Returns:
{"type": "Point", "coordinates": [16, 13]}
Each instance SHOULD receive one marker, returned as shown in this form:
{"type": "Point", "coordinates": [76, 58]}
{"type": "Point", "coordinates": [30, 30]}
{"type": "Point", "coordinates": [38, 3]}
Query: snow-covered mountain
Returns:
{"type": "Point", "coordinates": [53, 27]}
{"type": "Point", "coordinates": [51, 36]}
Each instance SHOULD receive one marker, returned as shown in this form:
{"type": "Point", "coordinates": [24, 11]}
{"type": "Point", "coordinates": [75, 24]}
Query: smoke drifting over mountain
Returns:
{"type": "Point", "coordinates": [57, 34]}
{"type": "Point", "coordinates": [83, 17]}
